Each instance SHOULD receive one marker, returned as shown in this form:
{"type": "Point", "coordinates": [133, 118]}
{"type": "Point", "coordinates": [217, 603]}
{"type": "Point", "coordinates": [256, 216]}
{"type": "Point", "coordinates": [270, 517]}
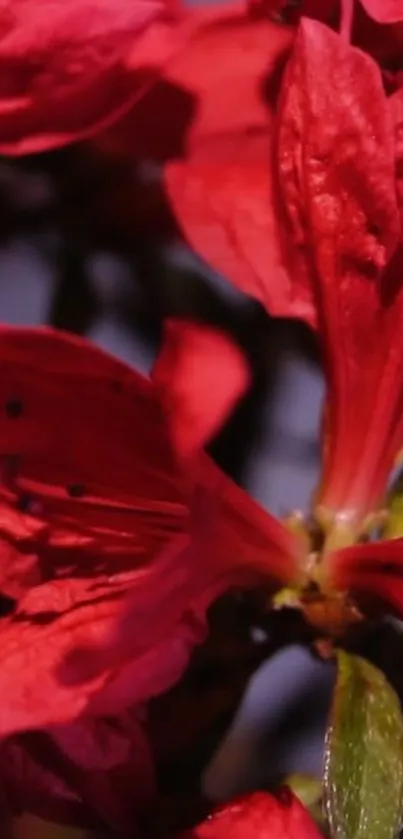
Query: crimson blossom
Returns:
{"type": "Point", "coordinates": [104, 525]}
{"type": "Point", "coordinates": [301, 208]}
{"type": "Point", "coordinates": [113, 546]}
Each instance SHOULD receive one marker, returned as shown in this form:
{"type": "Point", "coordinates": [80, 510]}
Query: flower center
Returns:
{"type": "Point", "coordinates": [329, 612]}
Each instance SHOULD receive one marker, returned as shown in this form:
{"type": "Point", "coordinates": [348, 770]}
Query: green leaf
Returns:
{"type": "Point", "coordinates": [363, 781]}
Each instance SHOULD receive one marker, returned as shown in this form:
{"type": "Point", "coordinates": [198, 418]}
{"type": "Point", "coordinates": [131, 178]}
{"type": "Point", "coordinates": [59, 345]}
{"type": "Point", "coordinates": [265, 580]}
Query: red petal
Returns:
{"type": "Point", "coordinates": [259, 816]}
{"type": "Point", "coordinates": [67, 69]}
{"type": "Point", "coordinates": [87, 469]}
{"type": "Point", "coordinates": [373, 569]}
{"type": "Point", "coordinates": [336, 158]}
{"type": "Point", "coordinates": [384, 11]}
{"type": "Point", "coordinates": [85, 452]}
{"type": "Point", "coordinates": [89, 487]}
{"type": "Point", "coordinates": [35, 645]}
{"type": "Point", "coordinates": [222, 191]}
{"type": "Point", "coordinates": [68, 487]}
{"type": "Point", "coordinates": [89, 773]}
{"type": "Point", "coordinates": [201, 374]}
{"type": "Point", "coordinates": [244, 535]}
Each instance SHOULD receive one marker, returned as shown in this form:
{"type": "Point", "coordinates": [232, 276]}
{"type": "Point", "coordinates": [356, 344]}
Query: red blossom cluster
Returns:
{"type": "Point", "coordinates": [117, 531]}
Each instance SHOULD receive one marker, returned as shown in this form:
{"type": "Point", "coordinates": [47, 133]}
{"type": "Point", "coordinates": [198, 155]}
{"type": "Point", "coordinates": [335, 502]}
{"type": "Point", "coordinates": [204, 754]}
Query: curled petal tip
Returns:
{"type": "Point", "coordinates": [201, 374]}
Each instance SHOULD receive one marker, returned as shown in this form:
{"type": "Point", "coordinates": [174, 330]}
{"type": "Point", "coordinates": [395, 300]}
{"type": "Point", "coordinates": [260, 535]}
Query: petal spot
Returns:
{"type": "Point", "coordinates": [14, 408]}
{"type": "Point", "coordinates": [76, 490]}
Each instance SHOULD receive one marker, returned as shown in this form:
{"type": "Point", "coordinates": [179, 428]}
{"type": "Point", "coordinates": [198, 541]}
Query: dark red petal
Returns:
{"type": "Point", "coordinates": [90, 773]}
{"type": "Point", "coordinates": [221, 190]}
{"type": "Point", "coordinates": [201, 374]}
{"type": "Point", "coordinates": [68, 69]}
{"type": "Point", "coordinates": [384, 11]}
{"type": "Point", "coordinates": [373, 569]}
{"type": "Point", "coordinates": [336, 154]}
{"type": "Point", "coordinates": [259, 816]}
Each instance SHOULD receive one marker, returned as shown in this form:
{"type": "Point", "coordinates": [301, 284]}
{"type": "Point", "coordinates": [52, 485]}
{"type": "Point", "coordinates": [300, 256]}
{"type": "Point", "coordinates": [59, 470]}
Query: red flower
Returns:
{"type": "Point", "coordinates": [259, 816]}
{"type": "Point", "coordinates": [336, 182]}
{"type": "Point", "coordinates": [126, 550]}
{"type": "Point", "coordinates": [330, 259]}
{"type": "Point", "coordinates": [221, 187]}
{"type": "Point", "coordinates": [70, 68]}
{"type": "Point", "coordinates": [336, 190]}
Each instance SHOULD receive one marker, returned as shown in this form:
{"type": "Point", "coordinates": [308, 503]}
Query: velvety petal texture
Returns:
{"type": "Point", "coordinates": [113, 550]}
{"type": "Point", "coordinates": [221, 188]}
{"type": "Point", "coordinates": [336, 184]}
{"type": "Point", "coordinates": [201, 374]}
{"type": "Point", "coordinates": [68, 67]}
{"type": "Point", "coordinates": [259, 816]}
